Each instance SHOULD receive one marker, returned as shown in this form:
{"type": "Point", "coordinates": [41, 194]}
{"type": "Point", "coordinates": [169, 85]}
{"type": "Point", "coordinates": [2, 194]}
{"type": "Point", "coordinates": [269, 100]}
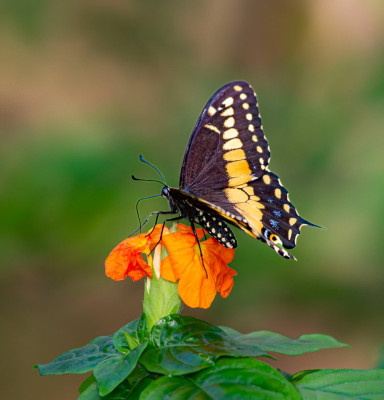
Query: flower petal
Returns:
{"type": "Point", "coordinates": [181, 253]}
{"type": "Point", "coordinates": [185, 229]}
{"type": "Point", "coordinates": [154, 235]}
{"type": "Point", "coordinates": [126, 260]}
{"type": "Point", "coordinates": [198, 283]}
{"type": "Point", "coordinates": [196, 289]}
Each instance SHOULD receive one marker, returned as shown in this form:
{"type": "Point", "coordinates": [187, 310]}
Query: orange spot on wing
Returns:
{"type": "Point", "coordinates": [238, 168]}
{"type": "Point", "coordinates": [234, 155]}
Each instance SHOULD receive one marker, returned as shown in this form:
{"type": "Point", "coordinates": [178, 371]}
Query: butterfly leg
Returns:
{"type": "Point", "coordinates": [198, 243]}
{"type": "Point", "coordinates": [162, 228]}
{"type": "Point", "coordinates": [157, 213]}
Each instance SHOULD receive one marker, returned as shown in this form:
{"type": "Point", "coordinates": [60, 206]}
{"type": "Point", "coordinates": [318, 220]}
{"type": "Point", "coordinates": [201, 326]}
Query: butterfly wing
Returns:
{"type": "Point", "coordinates": [227, 146]}
{"type": "Point", "coordinates": [225, 167]}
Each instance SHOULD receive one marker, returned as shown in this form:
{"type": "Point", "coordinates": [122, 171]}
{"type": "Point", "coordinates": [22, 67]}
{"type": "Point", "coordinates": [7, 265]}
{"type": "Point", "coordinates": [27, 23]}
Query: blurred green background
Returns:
{"type": "Point", "coordinates": [86, 86]}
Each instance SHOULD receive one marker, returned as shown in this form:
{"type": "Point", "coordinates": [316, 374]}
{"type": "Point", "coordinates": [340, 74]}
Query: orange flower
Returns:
{"type": "Point", "coordinates": [198, 283]}
{"type": "Point", "coordinates": [126, 258]}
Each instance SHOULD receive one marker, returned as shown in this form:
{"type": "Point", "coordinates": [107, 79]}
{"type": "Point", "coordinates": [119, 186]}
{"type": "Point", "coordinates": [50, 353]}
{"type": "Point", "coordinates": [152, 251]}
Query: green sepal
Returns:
{"type": "Point", "coordinates": [81, 360]}
{"type": "Point", "coordinates": [111, 372]}
{"type": "Point", "coordinates": [161, 297]}
{"type": "Point", "coordinates": [276, 343]}
{"type": "Point", "coordinates": [340, 384]}
{"type": "Point", "coordinates": [182, 345]}
{"type": "Point", "coordinates": [229, 378]}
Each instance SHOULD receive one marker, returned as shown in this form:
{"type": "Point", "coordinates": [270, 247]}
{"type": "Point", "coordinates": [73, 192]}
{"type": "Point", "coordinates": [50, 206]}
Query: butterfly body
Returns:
{"type": "Point", "coordinates": [196, 211]}
{"type": "Point", "coordinates": [225, 177]}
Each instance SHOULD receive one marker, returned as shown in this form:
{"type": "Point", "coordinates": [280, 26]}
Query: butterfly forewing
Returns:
{"type": "Point", "coordinates": [227, 146]}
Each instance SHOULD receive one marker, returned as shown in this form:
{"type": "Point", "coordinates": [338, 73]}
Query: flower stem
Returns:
{"type": "Point", "coordinates": [161, 297]}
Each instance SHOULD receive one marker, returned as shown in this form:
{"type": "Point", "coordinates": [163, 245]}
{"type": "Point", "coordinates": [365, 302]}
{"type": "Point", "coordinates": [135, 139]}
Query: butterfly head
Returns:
{"type": "Point", "coordinates": [165, 192]}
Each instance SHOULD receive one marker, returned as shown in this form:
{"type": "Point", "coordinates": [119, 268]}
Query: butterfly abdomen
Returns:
{"type": "Point", "coordinates": [216, 227]}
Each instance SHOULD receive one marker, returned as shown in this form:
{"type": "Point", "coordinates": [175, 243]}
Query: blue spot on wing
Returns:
{"type": "Point", "coordinates": [274, 224]}
{"type": "Point", "coordinates": [277, 213]}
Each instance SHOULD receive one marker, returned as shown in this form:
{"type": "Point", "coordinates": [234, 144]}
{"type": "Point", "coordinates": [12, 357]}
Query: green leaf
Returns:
{"type": "Point", "coordinates": [91, 379]}
{"type": "Point", "coordinates": [340, 384]}
{"type": "Point", "coordinates": [122, 392]}
{"type": "Point", "coordinates": [90, 393]}
{"type": "Point", "coordinates": [131, 335]}
{"type": "Point", "coordinates": [111, 372]}
{"type": "Point", "coordinates": [120, 339]}
{"type": "Point", "coordinates": [139, 387]}
{"type": "Point", "coordinates": [230, 378]}
{"type": "Point", "coordinates": [180, 345]}
{"type": "Point", "coordinates": [81, 360]}
{"type": "Point", "coordinates": [380, 363]}
{"type": "Point", "coordinates": [274, 342]}
{"type": "Point", "coordinates": [129, 389]}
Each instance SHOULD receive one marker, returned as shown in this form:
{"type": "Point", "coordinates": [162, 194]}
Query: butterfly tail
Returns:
{"type": "Point", "coordinates": [281, 252]}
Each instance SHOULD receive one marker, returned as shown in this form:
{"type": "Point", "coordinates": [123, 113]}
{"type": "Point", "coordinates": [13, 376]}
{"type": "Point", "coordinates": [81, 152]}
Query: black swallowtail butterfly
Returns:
{"type": "Point", "coordinates": [225, 177]}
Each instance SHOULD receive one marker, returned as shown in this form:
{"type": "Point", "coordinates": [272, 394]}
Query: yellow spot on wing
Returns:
{"type": "Point", "coordinates": [249, 117]}
{"type": "Point", "coordinates": [237, 168]}
{"type": "Point", "coordinates": [227, 112]}
{"type": "Point", "coordinates": [212, 128]}
{"type": "Point", "coordinates": [238, 88]}
{"type": "Point", "coordinates": [245, 106]}
{"type": "Point", "coordinates": [286, 207]}
{"type": "Point", "coordinates": [292, 221]}
{"type": "Point", "coordinates": [239, 180]}
{"type": "Point", "coordinates": [278, 193]}
{"type": "Point", "coordinates": [232, 144]}
{"type": "Point", "coordinates": [249, 190]}
{"type": "Point", "coordinates": [251, 128]}
{"type": "Point", "coordinates": [234, 155]}
{"type": "Point", "coordinates": [289, 234]}
{"type": "Point", "coordinates": [256, 198]}
{"type": "Point", "coordinates": [228, 102]}
{"type": "Point", "coordinates": [266, 179]}
{"type": "Point", "coordinates": [229, 122]}
{"type": "Point", "coordinates": [243, 96]}
{"type": "Point", "coordinates": [259, 149]}
{"type": "Point", "coordinates": [235, 195]}
{"type": "Point", "coordinates": [256, 204]}
{"type": "Point", "coordinates": [211, 110]}
{"type": "Point", "coordinates": [261, 160]}
{"type": "Point", "coordinates": [252, 215]}
{"type": "Point", "coordinates": [230, 134]}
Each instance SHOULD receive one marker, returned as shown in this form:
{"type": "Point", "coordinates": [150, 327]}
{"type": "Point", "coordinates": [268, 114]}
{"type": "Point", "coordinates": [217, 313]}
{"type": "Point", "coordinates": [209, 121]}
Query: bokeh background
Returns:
{"type": "Point", "coordinates": [86, 86]}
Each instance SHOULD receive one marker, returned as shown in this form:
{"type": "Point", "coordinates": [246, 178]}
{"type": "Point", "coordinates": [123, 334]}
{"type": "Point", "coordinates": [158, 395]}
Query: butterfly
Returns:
{"type": "Point", "coordinates": [225, 179]}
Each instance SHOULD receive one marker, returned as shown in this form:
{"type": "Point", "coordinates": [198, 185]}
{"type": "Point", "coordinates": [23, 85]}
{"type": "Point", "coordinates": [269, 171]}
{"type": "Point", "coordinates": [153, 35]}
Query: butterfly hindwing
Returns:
{"type": "Point", "coordinates": [262, 209]}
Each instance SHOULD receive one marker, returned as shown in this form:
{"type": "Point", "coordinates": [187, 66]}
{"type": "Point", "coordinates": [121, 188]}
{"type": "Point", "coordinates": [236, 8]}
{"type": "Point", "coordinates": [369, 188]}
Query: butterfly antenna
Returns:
{"type": "Point", "coordinates": [146, 180]}
{"type": "Point", "coordinates": [137, 207]}
{"type": "Point", "coordinates": [146, 162]}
